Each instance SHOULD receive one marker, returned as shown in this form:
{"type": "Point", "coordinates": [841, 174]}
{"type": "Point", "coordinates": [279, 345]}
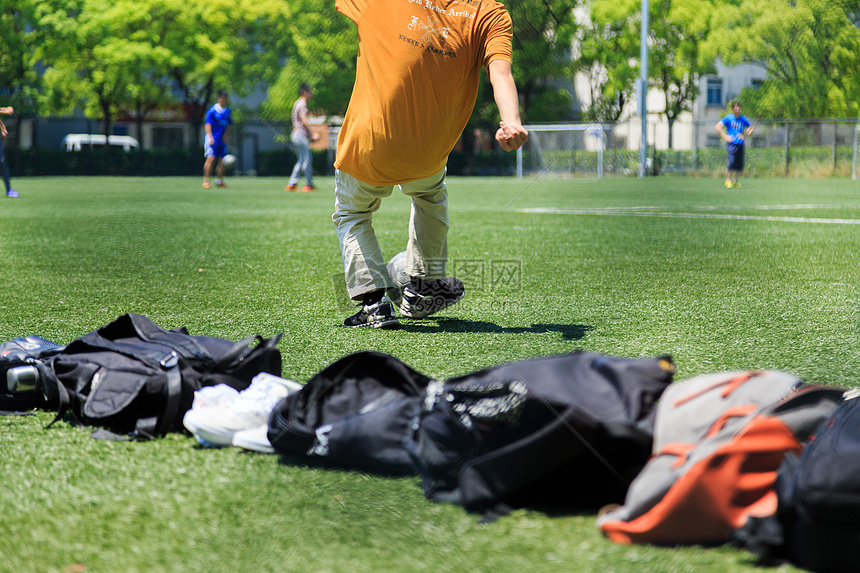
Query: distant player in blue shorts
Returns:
{"type": "Point", "coordinates": [734, 129]}
{"type": "Point", "coordinates": [217, 124]}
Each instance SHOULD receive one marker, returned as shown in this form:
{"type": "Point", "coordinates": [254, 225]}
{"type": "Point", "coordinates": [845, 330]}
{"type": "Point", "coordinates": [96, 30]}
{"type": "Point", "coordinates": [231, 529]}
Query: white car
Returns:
{"type": "Point", "coordinates": [77, 141]}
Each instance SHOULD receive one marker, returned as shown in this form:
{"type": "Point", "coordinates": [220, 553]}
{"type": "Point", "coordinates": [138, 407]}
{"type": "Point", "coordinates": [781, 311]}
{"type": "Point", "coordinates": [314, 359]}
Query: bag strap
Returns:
{"type": "Point", "coordinates": [152, 356]}
{"type": "Point", "coordinates": [173, 394]}
{"type": "Point", "coordinates": [53, 388]}
{"type": "Point", "coordinates": [149, 332]}
{"type": "Point", "coordinates": [183, 343]}
{"type": "Point", "coordinates": [236, 352]}
{"type": "Point", "coordinates": [151, 427]}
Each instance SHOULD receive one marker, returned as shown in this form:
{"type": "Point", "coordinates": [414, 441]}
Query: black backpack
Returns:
{"type": "Point", "coordinates": [354, 414]}
{"type": "Point", "coordinates": [817, 522]}
{"type": "Point", "coordinates": [573, 428]}
{"type": "Point", "coordinates": [134, 377]}
{"type": "Point", "coordinates": [568, 431]}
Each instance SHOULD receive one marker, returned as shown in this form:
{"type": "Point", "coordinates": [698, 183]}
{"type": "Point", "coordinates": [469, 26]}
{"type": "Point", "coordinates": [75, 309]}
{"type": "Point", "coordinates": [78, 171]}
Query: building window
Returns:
{"type": "Point", "coordinates": [715, 92]}
{"type": "Point", "coordinates": [756, 84]}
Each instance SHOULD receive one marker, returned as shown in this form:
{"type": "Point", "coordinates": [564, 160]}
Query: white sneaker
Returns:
{"type": "Point", "coordinates": [255, 439]}
{"type": "Point", "coordinates": [216, 425]}
{"type": "Point", "coordinates": [209, 396]}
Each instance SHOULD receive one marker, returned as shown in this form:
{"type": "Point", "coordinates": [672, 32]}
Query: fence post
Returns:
{"type": "Point", "coordinates": [835, 133]}
{"type": "Point", "coordinates": [601, 142]}
{"type": "Point", "coordinates": [520, 163]}
{"type": "Point", "coordinates": [695, 145]}
{"type": "Point", "coordinates": [787, 146]}
{"type": "Point", "coordinates": [854, 154]}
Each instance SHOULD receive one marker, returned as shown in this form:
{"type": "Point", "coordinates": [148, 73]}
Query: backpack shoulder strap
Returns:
{"type": "Point", "coordinates": [151, 427]}
{"type": "Point", "coordinates": [241, 347]}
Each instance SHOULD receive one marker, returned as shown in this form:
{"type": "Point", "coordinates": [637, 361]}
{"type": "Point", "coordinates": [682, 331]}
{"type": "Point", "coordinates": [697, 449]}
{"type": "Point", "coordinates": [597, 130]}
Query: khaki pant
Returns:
{"type": "Point", "coordinates": [427, 249]}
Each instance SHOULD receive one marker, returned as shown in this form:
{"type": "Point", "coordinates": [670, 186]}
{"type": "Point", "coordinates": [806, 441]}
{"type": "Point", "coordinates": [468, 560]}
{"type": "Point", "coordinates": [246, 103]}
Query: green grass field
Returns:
{"type": "Point", "coordinates": [765, 276]}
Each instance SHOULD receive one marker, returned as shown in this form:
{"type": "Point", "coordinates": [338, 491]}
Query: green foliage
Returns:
{"type": "Point", "coordinates": [609, 50]}
{"type": "Point", "coordinates": [542, 34]}
{"type": "Point", "coordinates": [549, 105]}
{"type": "Point", "coordinates": [107, 56]}
{"type": "Point", "coordinates": [677, 30]}
{"type": "Point", "coordinates": [810, 49]}
{"type": "Point", "coordinates": [17, 71]}
{"type": "Point", "coordinates": [102, 56]}
{"type": "Point", "coordinates": [322, 51]}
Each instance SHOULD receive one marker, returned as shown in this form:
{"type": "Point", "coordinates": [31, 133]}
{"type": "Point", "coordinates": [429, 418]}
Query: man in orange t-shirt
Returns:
{"type": "Point", "coordinates": [417, 73]}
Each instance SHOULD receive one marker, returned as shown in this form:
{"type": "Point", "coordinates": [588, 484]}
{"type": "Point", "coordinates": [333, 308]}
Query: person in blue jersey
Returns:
{"type": "Point", "coordinates": [734, 128]}
{"type": "Point", "coordinates": [4, 168]}
{"type": "Point", "coordinates": [217, 125]}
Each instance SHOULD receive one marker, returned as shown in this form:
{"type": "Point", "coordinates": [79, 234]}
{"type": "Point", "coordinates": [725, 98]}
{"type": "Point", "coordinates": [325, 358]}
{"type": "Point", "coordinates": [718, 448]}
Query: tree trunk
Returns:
{"type": "Point", "coordinates": [107, 119]}
{"type": "Point", "coordinates": [671, 125]}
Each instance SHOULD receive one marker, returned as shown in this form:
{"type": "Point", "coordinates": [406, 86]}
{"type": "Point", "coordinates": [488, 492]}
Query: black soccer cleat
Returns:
{"type": "Point", "coordinates": [377, 315]}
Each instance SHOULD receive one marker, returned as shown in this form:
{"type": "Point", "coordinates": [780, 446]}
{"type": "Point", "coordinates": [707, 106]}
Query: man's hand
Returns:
{"type": "Point", "coordinates": [511, 136]}
{"type": "Point", "coordinates": [7, 110]}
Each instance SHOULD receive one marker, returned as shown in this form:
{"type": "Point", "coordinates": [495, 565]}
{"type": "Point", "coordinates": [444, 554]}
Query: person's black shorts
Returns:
{"type": "Point", "coordinates": [736, 156]}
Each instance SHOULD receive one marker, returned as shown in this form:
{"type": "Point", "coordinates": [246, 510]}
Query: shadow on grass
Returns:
{"type": "Point", "coordinates": [567, 331]}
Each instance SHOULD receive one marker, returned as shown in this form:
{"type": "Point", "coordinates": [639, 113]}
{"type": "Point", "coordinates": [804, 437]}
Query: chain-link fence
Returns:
{"type": "Point", "coordinates": [820, 148]}
{"type": "Point", "coordinates": [777, 148]}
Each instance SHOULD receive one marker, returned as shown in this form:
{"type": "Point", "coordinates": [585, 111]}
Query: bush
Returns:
{"type": "Point", "coordinates": [280, 162]}
{"type": "Point", "coordinates": [106, 161]}
{"type": "Point", "coordinates": [484, 163]}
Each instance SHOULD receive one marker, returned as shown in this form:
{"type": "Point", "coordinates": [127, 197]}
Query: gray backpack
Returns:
{"type": "Point", "coordinates": [719, 440]}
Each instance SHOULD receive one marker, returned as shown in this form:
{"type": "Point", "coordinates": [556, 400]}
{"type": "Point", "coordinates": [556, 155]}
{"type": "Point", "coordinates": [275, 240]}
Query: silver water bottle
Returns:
{"type": "Point", "coordinates": [22, 379]}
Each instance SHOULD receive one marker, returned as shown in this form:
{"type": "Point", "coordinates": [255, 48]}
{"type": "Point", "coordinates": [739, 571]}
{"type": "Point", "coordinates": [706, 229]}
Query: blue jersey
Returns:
{"type": "Point", "coordinates": [219, 118]}
{"type": "Point", "coordinates": [735, 126]}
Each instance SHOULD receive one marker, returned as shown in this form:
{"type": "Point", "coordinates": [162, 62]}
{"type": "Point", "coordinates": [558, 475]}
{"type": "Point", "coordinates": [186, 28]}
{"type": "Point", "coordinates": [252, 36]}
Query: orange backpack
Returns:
{"type": "Point", "coordinates": [718, 442]}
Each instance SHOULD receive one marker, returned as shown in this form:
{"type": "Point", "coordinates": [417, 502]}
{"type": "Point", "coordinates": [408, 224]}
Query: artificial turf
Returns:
{"type": "Point", "coordinates": [765, 276]}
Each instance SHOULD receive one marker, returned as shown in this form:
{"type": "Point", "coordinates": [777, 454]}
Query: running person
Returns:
{"type": "Point", "coordinates": [217, 124]}
{"type": "Point", "coordinates": [415, 87]}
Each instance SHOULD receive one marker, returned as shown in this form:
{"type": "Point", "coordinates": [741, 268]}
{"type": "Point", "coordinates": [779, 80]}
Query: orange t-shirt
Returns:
{"type": "Point", "coordinates": [417, 73]}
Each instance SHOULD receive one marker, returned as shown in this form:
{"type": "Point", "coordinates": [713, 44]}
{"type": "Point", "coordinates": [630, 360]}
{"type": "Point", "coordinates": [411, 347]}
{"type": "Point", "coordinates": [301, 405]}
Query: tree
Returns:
{"type": "Point", "coordinates": [810, 49]}
{"type": "Point", "coordinates": [542, 36]}
{"type": "Point", "coordinates": [219, 44]}
{"type": "Point", "coordinates": [608, 56]}
{"type": "Point", "coordinates": [677, 29]}
{"type": "Point", "coordinates": [321, 51]}
{"type": "Point", "coordinates": [100, 55]}
{"type": "Point", "coordinates": [17, 69]}
{"type": "Point", "coordinates": [109, 55]}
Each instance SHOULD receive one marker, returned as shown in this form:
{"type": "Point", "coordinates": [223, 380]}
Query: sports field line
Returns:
{"type": "Point", "coordinates": [655, 212]}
